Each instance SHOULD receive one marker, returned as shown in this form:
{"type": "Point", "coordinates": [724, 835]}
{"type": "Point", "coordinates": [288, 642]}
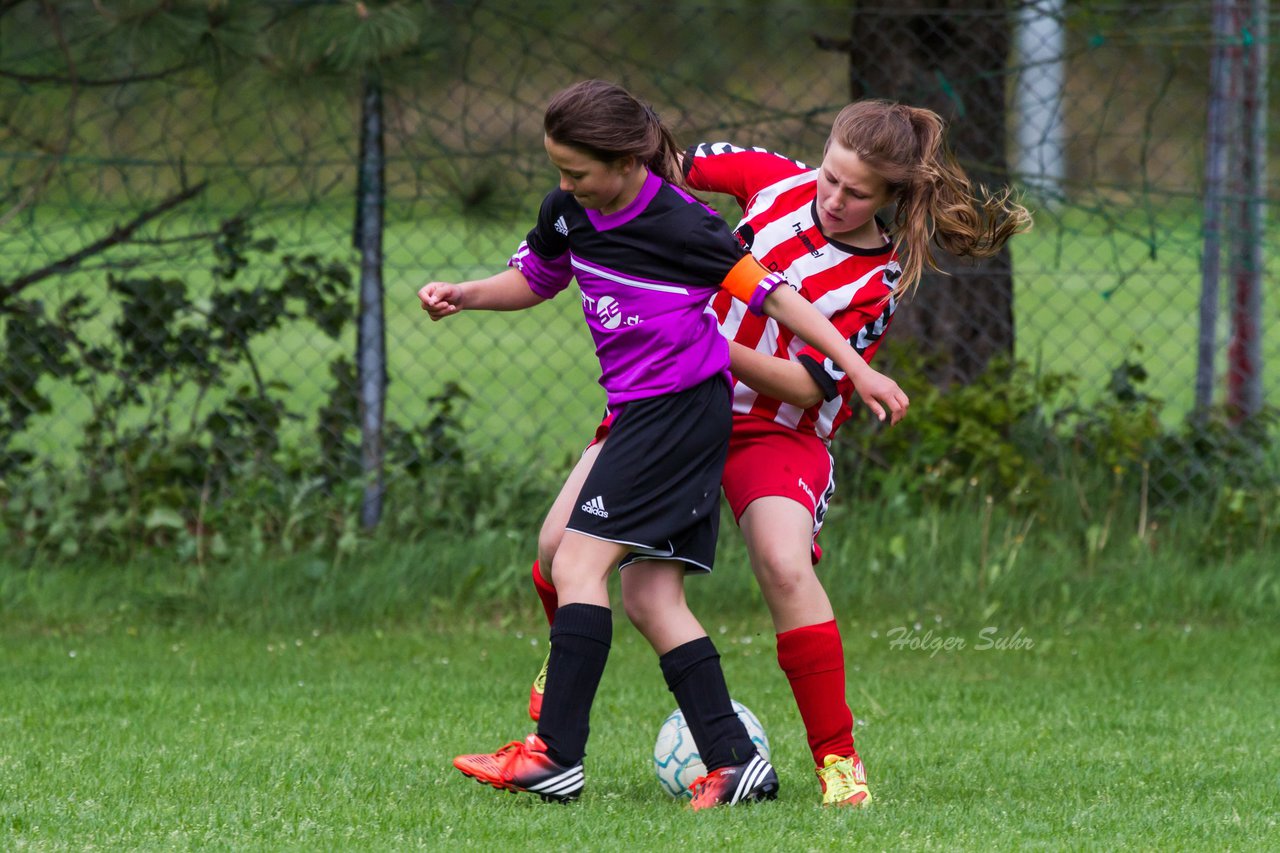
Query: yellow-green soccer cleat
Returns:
{"type": "Point", "coordinates": [844, 781]}
{"type": "Point", "coordinates": [536, 691]}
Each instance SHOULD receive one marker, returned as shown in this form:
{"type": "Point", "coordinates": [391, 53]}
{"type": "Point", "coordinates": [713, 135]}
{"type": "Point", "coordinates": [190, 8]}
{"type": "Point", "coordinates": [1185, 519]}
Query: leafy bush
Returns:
{"type": "Point", "coordinates": [996, 434]}
{"type": "Point", "coordinates": [183, 452]}
{"type": "Point", "coordinates": [1016, 434]}
{"type": "Point", "coordinates": [183, 444]}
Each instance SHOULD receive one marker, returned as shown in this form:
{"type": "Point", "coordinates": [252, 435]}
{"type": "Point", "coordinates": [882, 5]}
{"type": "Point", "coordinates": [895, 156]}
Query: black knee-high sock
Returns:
{"type": "Point", "coordinates": [580, 638]}
{"type": "Point", "coordinates": [694, 675]}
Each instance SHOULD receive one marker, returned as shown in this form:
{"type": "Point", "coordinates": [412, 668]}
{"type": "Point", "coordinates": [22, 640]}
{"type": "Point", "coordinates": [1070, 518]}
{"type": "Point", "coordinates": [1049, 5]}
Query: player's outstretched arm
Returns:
{"type": "Point", "coordinates": [880, 393]}
{"type": "Point", "coordinates": [767, 293]}
{"type": "Point", "coordinates": [505, 291]}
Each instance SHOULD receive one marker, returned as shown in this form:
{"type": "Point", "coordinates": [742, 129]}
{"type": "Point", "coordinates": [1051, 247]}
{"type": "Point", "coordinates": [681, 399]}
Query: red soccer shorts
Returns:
{"type": "Point", "coordinates": [767, 459]}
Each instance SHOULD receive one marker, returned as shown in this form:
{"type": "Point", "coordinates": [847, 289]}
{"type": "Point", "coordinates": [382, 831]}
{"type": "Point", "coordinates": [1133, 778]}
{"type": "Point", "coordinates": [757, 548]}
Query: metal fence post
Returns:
{"type": "Point", "coordinates": [372, 341]}
{"type": "Point", "coordinates": [1217, 137]}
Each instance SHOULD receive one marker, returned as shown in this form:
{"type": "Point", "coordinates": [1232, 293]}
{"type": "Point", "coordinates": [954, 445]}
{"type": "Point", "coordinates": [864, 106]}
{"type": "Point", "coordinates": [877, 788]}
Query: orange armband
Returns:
{"type": "Point", "coordinates": [750, 282]}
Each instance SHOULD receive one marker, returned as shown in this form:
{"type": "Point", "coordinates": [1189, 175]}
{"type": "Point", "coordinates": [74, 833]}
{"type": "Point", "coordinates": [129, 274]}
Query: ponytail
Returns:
{"type": "Point", "coordinates": [936, 202]}
{"type": "Point", "coordinates": [665, 162]}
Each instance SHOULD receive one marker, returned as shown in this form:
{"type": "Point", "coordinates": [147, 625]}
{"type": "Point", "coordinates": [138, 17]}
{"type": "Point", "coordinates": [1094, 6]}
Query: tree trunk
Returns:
{"type": "Point", "coordinates": [371, 342]}
{"type": "Point", "coordinates": [948, 56]}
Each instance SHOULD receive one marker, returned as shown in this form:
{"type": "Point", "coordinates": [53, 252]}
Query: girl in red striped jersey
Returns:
{"type": "Point", "coordinates": [819, 228]}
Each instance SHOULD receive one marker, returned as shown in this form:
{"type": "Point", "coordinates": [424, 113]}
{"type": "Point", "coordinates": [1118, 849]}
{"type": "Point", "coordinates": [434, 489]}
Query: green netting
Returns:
{"type": "Point", "coordinates": [110, 111]}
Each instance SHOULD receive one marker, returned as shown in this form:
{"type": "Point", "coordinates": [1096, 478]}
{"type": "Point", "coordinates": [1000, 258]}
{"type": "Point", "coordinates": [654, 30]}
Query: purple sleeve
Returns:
{"type": "Point", "coordinates": [546, 277]}
{"type": "Point", "coordinates": [543, 257]}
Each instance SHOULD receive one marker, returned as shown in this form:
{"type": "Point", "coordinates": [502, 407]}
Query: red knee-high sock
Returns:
{"type": "Point", "coordinates": [813, 659]}
{"type": "Point", "coordinates": [546, 593]}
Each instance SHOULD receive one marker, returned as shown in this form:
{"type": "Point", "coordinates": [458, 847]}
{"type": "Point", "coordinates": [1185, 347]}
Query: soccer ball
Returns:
{"type": "Point", "coordinates": [675, 755]}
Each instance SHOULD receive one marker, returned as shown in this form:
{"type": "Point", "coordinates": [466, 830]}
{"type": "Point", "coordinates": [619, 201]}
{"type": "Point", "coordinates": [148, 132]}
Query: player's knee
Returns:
{"type": "Point", "coordinates": [640, 611]}
{"type": "Point", "coordinates": [783, 578]}
{"type": "Point", "coordinates": [650, 610]}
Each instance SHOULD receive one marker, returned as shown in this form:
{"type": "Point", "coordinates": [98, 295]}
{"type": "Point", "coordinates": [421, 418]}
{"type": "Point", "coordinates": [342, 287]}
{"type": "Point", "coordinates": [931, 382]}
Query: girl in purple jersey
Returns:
{"type": "Point", "coordinates": [647, 256]}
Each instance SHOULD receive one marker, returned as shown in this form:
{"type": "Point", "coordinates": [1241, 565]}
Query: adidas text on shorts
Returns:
{"type": "Point", "coordinates": [655, 487]}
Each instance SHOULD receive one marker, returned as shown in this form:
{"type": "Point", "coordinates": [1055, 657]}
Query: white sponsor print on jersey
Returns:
{"type": "Point", "coordinates": [609, 312]}
{"type": "Point", "coordinates": [561, 227]}
{"type": "Point", "coordinates": [595, 506]}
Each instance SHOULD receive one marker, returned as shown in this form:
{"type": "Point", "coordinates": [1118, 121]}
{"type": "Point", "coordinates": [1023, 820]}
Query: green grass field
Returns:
{"type": "Point", "coordinates": [1107, 736]}
{"type": "Point", "coordinates": [1123, 695]}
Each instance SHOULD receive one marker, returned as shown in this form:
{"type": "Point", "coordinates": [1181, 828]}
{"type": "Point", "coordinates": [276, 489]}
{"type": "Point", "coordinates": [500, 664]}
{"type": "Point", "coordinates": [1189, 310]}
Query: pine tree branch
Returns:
{"type": "Point", "coordinates": [33, 189]}
{"type": "Point", "coordinates": [63, 80]}
{"type": "Point", "coordinates": [120, 234]}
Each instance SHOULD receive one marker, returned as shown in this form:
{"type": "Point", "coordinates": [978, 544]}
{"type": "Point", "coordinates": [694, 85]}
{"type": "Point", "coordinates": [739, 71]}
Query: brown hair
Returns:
{"type": "Point", "coordinates": [607, 123]}
{"type": "Point", "coordinates": [935, 200]}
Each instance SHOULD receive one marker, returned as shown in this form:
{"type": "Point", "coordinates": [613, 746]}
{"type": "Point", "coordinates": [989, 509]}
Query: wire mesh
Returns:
{"type": "Point", "coordinates": [214, 151]}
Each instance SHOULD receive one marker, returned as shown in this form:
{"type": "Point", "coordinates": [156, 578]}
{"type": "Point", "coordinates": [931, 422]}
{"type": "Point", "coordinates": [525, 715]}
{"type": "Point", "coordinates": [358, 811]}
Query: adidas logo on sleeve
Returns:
{"type": "Point", "coordinates": [595, 506]}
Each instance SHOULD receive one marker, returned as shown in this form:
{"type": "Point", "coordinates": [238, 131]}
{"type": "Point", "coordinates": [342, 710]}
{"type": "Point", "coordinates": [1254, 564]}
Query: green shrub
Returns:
{"type": "Point", "coordinates": [175, 462]}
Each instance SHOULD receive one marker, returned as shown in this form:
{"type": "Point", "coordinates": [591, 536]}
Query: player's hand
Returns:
{"type": "Point", "coordinates": [440, 299]}
{"type": "Point", "coordinates": [881, 393]}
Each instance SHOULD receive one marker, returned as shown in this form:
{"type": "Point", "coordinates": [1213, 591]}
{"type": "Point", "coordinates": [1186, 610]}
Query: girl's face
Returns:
{"type": "Point", "coordinates": [606, 187]}
{"type": "Point", "coordinates": [849, 194]}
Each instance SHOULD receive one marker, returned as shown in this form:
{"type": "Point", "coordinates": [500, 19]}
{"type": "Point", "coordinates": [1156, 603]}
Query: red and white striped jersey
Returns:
{"type": "Point", "coordinates": [852, 287]}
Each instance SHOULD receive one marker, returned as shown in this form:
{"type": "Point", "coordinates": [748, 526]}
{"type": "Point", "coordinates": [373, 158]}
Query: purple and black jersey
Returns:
{"type": "Point", "coordinates": [646, 274]}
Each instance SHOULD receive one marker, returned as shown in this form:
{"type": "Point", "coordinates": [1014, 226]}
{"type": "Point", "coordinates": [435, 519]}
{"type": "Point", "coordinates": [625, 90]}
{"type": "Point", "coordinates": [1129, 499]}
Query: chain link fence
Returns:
{"type": "Point", "coordinates": [181, 218]}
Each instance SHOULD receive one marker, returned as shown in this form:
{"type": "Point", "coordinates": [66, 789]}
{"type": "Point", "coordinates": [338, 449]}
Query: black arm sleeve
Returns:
{"type": "Point", "coordinates": [825, 383]}
{"type": "Point", "coordinates": [687, 165]}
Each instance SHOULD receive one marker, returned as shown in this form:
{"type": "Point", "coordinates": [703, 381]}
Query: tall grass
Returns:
{"type": "Point", "coordinates": [968, 561]}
